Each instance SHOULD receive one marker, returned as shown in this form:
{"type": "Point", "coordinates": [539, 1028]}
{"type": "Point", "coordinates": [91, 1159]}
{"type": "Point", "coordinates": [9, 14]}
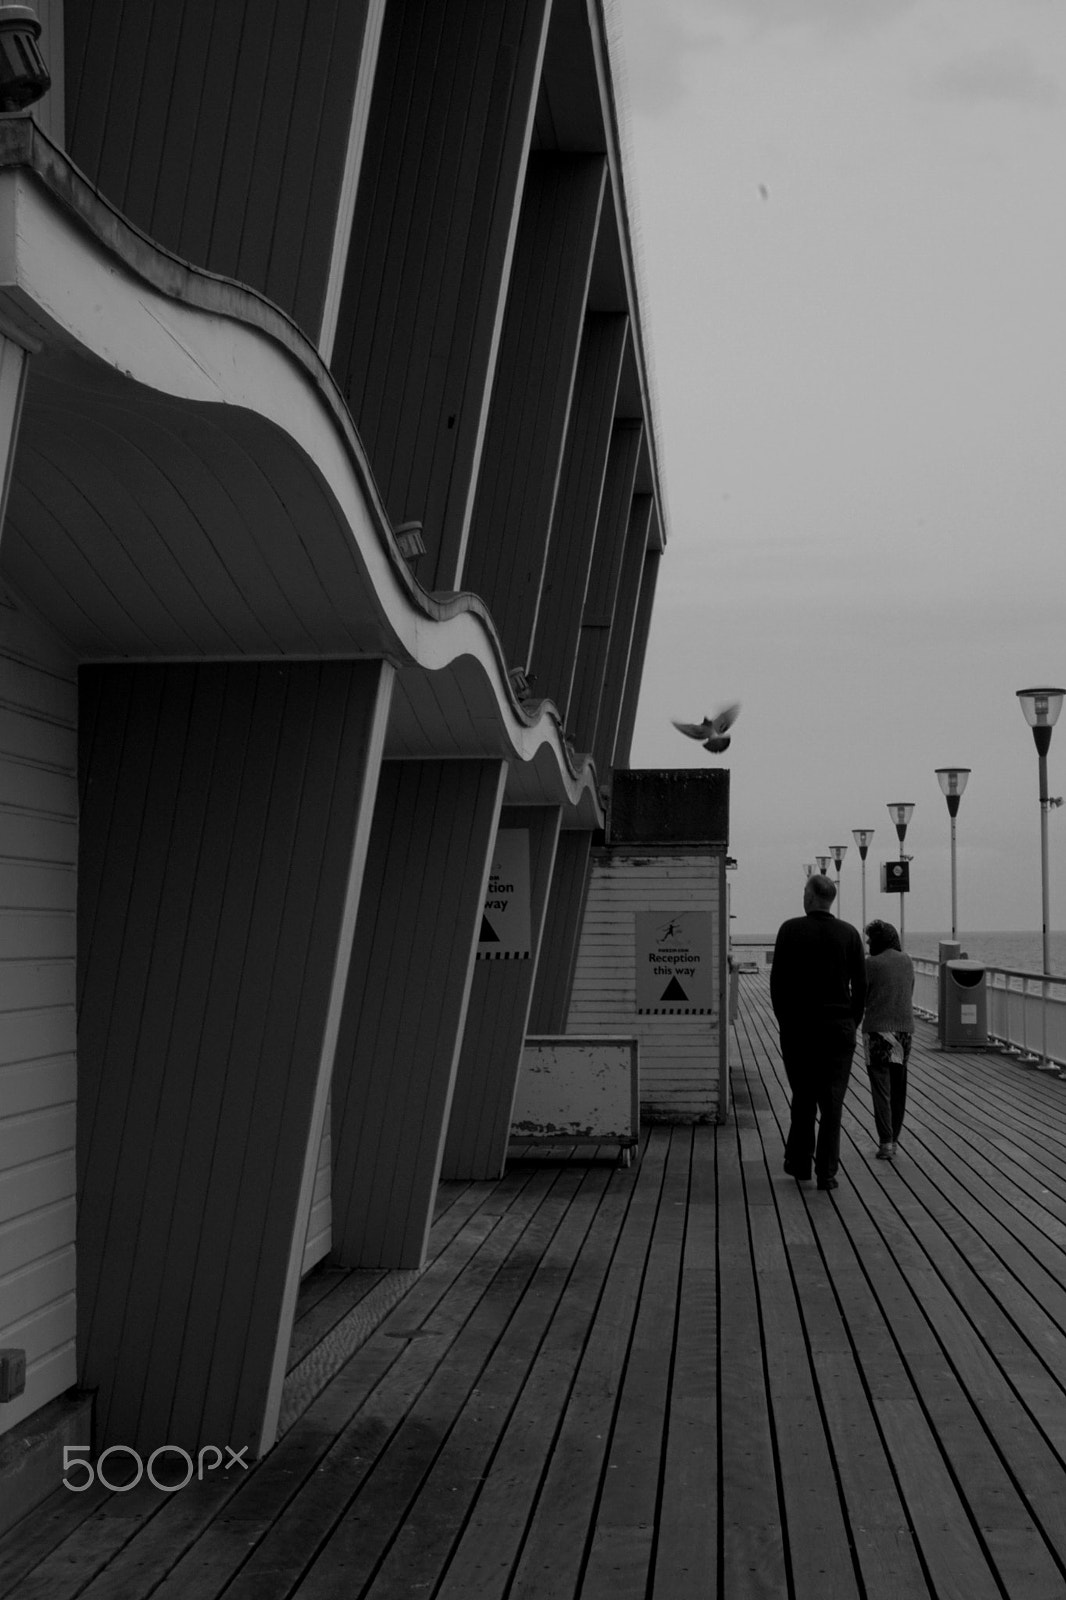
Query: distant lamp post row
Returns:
{"type": "Point", "coordinates": [952, 783]}
{"type": "Point", "coordinates": [1041, 708]}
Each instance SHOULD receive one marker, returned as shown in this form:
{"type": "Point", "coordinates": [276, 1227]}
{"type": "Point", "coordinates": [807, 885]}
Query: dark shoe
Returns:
{"type": "Point", "coordinates": [828, 1183]}
{"type": "Point", "coordinates": [794, 1172]}
{"type": "Point", "coordinates": [886, 1151]}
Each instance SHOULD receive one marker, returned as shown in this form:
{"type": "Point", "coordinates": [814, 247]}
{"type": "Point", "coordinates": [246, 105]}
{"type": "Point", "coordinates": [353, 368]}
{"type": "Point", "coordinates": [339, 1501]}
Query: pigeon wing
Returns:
{"type": "Point", "coordinates": [693, 730]}
{"type": "Point", "coordinates": [724, 719]}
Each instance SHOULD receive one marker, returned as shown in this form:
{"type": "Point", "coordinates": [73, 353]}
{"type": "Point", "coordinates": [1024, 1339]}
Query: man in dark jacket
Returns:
{"type": "Point", "coordinates": [818, 991]}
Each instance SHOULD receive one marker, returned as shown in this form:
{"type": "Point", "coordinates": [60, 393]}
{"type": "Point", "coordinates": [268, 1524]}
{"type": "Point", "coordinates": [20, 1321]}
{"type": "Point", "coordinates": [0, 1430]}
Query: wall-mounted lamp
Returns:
{"type": "Point", "coordinates": [23, 75]}
{"type": "Point", "coordinates": [408, 536]}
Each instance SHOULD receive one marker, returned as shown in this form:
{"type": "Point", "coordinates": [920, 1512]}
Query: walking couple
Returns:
{"type": "Point", "coordinates": [822, 988]}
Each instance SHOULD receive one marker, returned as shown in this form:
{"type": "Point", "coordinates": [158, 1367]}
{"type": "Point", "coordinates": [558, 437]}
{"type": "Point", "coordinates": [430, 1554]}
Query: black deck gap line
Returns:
{"type": "Point", "coordinates": [348, 1560]}
{"type": "Point", "coordinates": [692, 1377]}
{"type": "Point", "coordinates": [621, 1550]}
{"type": "Point", "coordinates": [207, 1559]}
{"type": "Point", "coordinates": [971, 1456]}
{"type": "Point", "coordinates": [561, 1523]}
{"type": "Point", "coordinates": [494, 1436]}
{"type": "Point", "coordinates": [887, 1563]}
{"type": "Point", "coordinates": [424, 1328]}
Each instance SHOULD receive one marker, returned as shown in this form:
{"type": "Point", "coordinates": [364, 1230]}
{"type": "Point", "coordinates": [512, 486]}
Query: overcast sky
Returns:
{"type": "Point", "coordinates": [851, 222]}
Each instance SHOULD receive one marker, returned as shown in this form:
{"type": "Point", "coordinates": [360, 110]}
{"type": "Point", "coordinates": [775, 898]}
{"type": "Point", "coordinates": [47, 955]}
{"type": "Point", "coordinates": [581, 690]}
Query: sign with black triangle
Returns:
{"type": "Point", "coordinates": [505, 919]}
{"type": "Point", "coordinates": [676, 969]}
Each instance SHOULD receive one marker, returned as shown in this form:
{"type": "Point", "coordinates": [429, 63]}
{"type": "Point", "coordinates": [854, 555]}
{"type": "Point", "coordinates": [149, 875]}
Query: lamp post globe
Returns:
{"type": "Point", "coordinates": [952, 782]}
{"type": "Point", "coordinates": [901, 812]}
{"type": "Point", "coordinates": [838, 852]}
{"type": "Point", "coordinates": [1041, 708]}
{"type": "Point", "coordinates": [863, 838]}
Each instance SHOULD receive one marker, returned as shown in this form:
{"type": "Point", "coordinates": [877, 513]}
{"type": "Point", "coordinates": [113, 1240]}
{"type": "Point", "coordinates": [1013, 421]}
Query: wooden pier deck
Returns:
{"type": "Point", "coordinates": [689, 1378]}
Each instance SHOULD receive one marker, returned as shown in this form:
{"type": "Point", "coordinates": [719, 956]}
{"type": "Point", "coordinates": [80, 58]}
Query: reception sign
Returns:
{"type": "Point", "coordinates": [505, 915]}
{"type": "Point", "coordinates": [675, 962]}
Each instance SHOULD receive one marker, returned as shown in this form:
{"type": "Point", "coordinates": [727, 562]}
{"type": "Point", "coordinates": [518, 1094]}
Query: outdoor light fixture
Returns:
{"type": "Point", "coordinates": [901, 812]}
{"type": "Point", "coordinates": [408, 536]}
{"type": "Point", "coordinates": [953, 782]}
{"type": "Point", "coordinates": [23, 74]}
{"type": "Point", "coordinates": [823, 865]}
{"type": "Point", "coordinates": [838, 852]}
{"type": "Point", "coordinates": [1041, 708]}
{"type": "Point", "coordinates": [808, 868]}
{"type": "Point", "coordinates": [863, 837]}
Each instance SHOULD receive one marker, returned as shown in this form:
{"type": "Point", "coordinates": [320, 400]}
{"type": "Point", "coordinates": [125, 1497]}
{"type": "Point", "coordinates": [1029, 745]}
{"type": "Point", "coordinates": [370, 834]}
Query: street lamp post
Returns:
{"type": "Point", "coordinates": [953, 782]}
{"type": "Point", "coordinates": [1041, 708]}
{"type": "Point", "coordinates": [862, 837]}
{"type": "Point", "coordinates": [823, 865]}
{"type": "Point", "coordinates": [900, 811]}
{"type": "Point", "coordinates": [838, 852]}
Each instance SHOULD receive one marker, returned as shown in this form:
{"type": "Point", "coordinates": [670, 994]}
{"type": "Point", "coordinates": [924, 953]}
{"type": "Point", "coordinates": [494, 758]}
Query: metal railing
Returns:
{"type": "Point", "coordinates": [1026, 1011]}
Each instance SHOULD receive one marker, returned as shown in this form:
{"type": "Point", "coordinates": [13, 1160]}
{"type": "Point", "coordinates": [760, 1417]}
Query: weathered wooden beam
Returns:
{"type": "Point", "coordinates": [598, 617]}
{"type": "Point", "coordinates": [406, 1003]}
{"type": "Point", "coordinates": [627, 715]}
{"type": "Point", "coordinates": [224, 824]}
{"type": "Point", "coordinates": [577, 507]}
{"type": "Point", "coordinates": [523, 453]}
{"type": "Point", "coordinates": [562, 930]}
{"type": "Point", "coordinates": [497, 1021]}
{"type": "Point", "coordinates": [625, 614]}
{"type": "Point", "coordinates": [435, 222]}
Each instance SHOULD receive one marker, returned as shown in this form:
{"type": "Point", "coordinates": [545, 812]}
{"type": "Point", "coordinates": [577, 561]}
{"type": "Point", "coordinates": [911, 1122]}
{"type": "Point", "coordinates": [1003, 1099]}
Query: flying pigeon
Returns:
{"type": "Point", "coordinates": [712, 731]}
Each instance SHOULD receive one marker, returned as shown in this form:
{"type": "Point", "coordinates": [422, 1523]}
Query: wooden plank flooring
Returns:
{"type": "Point", "coordinates": [686, 1379]}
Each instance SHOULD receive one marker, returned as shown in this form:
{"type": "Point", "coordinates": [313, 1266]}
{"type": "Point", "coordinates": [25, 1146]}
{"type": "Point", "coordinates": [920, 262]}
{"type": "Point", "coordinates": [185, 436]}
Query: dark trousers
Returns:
{"type": "Point", "coordinates": [818, 1066]}
{"type": "Point", "coordinates": [888, 1084]}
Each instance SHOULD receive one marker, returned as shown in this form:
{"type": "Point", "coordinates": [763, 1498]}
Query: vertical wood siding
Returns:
{"type": "Point", "coordinates": [12, 388]}
{"type": "Point", "coordinates": [496, 1024]}
{"type": "Point", "coordinates": [435, 220]}
{"type": "Point", "coordinates": [38, 887]}
{"type": "Point", "coordinates": [598, 618]}
{"type": "Point", "coordinates": [612, 693]}
{"type": "Point", "coordinates": [680, 1056]}
{"type": "Point", "coordinates": [577, 507]}
{"type": "Point", "coordinates": [534, 380]}
{"type": "Point", "coordinates": [220, 813]}
{"type": "Point", "coordinates": [627, 713]}
{"type": "Point", "coordinates": [48, 113]}
{"type": "Point", "coordinates": [221, 129]}
{"type": "Point", "coordinates": [319, 1236]}
{"type": "Point", "coordinates": [406, 1003]}
{"type": "Point", "coordinates": [562, 929]}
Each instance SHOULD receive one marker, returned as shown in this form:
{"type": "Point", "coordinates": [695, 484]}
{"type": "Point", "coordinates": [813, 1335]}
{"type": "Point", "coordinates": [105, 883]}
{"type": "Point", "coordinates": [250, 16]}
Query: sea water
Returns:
{"type": "Point", "coordinates": [1017, 952]}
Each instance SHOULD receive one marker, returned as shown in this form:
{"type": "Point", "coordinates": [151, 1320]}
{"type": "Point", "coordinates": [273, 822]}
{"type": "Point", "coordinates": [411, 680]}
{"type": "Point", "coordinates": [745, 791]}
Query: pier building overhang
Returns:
{"type": "Point", "coordinates": [188, 485]}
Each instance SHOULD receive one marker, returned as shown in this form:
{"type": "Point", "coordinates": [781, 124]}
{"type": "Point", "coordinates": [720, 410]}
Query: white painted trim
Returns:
{"type": "Point", "coordinates": [66, 286]}
{"type": "Point", "coordinates": [353, 161]}
{"type": "Point", "coordinates": [13, 366]}
{"type": "Point", "coordinates": [342, 961]}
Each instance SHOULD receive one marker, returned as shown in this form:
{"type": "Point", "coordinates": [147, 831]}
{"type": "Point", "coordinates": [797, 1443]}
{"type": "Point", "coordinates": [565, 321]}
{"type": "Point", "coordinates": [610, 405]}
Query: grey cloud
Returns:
{"type": "Point", "coordinates": [840, 16]}
{"type": "Point", "coordinates": [1005, 73]}
{"type": "Point", "coordinates": [661, 37]}
{"type": "Point", "coordinates": [659, 40]}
